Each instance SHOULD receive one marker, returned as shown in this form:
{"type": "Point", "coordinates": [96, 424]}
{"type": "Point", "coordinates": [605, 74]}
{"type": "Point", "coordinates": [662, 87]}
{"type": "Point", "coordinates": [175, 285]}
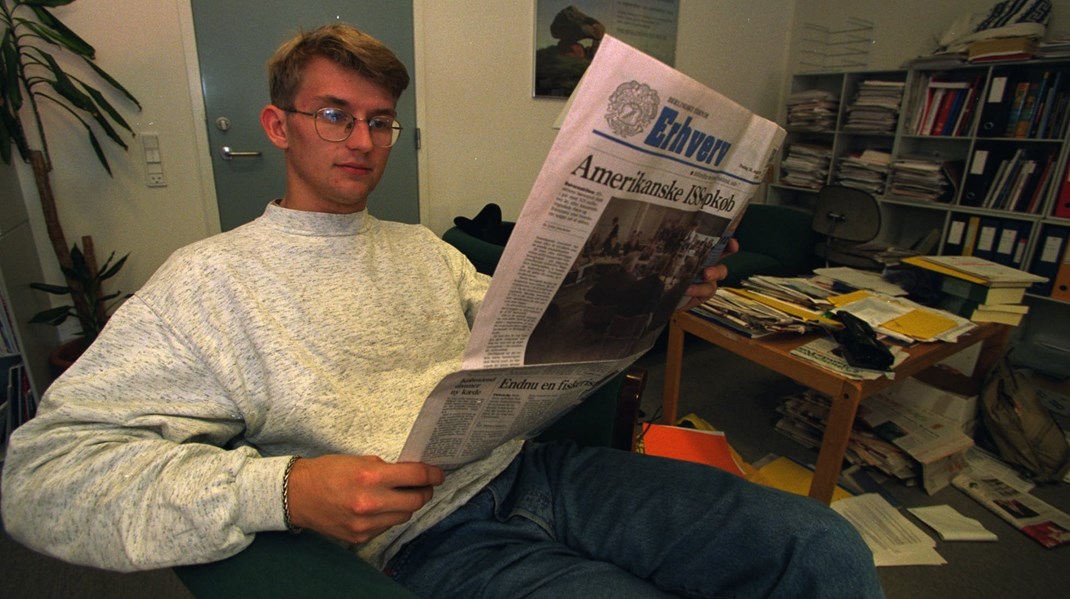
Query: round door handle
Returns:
{"type": "Point", "coordinates": [229, 154]}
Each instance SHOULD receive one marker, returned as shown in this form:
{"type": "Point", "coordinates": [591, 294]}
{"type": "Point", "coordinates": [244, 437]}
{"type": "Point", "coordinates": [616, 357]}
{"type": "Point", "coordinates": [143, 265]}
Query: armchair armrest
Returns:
{"type": "Point", "coordinates": [284, 565]}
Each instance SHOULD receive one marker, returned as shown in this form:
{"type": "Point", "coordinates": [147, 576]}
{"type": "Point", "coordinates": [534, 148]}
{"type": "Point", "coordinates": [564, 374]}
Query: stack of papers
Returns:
{"type": "Point", "coordinates": [876, 107]}
{"type": "Point", "coordinates": [866, 170]}
{"type": "Point", "coordinates": [919, 178]}
{"type": "Point", "coordinates": [806, 165]}
{"type": "Point", "coordinates": [894, 540]}
{"type": "Point", "coordinates": [804, 417]}
{"type": "Point", "coordinates": [951, 525]}
{"type": "Point", "coordinates": [812, 110]}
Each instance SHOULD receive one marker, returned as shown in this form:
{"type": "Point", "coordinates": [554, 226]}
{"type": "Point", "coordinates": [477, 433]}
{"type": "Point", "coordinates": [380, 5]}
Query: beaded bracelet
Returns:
{"type": "Point", "coordinates": [286, 495]}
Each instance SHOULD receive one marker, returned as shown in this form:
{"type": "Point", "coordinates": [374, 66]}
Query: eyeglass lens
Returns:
{"type": "Point", "coordinates": [333, 124]}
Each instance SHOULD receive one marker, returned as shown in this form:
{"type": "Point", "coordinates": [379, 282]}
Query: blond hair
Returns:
{"type": "Point", "coordinates": [344, 45]}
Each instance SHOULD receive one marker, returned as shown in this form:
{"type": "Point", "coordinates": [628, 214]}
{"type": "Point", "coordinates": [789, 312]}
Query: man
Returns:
{"type": "Point", "coordinates": [266, 378]}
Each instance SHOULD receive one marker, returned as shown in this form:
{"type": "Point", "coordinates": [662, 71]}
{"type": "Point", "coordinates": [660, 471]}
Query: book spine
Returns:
{"type": "Point", "coordinates": [1020, 92]}
{"type": "Point", "coordinates": [1025, 118]}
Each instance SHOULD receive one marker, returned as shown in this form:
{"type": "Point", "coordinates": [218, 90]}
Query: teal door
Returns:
{"type": "Point", "coordinates": [234, 40]}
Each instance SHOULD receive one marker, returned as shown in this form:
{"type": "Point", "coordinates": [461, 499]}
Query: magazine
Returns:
{"type": "Point", "coordinates": [643, 186]}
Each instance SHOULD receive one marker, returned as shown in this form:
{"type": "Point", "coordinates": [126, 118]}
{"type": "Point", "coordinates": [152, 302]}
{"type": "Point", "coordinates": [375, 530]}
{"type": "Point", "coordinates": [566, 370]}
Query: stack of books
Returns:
{"type": "Point", "coordinates": [979, 289]}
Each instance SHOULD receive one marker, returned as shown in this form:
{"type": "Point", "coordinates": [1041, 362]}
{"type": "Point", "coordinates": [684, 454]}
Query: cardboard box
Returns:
{"type": "Point", "coordinates": [945, 393]}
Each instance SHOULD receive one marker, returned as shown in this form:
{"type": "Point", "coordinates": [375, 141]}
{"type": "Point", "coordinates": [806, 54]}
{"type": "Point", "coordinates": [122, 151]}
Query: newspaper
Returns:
{"type": "Point", "coordinates": [1042, 522]}
{"type": "Point", "coordinates": [646, 180]}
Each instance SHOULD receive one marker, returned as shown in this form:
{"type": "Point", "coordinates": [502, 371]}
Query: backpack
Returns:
{"type": "Point", "coordinates": [1022, 429]}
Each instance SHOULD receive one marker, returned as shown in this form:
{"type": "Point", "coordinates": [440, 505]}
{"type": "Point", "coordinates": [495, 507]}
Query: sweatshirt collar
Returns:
{"type": "Point", "coordinates": [303, 222]}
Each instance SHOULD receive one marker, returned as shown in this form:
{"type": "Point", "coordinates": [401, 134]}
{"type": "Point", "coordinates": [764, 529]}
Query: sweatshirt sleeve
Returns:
{"type": "Point", "coordinates": [125, 466]}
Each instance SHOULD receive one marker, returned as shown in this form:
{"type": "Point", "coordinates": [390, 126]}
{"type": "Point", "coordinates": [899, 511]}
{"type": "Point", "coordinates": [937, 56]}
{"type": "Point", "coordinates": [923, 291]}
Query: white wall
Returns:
{"type": "Point", "coordinates": [475, 58]}
{"type": "Point", "coordinates": [474, 64]}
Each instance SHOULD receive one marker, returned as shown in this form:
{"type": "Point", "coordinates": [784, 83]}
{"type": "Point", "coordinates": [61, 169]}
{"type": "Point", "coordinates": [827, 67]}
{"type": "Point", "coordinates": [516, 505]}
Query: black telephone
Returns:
{"type": "Point", "coordinates": [859, 343]}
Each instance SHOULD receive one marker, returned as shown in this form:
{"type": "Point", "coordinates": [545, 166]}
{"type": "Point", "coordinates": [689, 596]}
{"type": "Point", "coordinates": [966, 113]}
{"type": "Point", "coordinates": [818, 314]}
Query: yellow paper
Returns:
{"type": "Point", "coordinates": [921, 262]}
{"type": "Point", "coordinates": [787, 475]}
{"type": "Point", "coordinates": [920, 324]}
{"type": "Point", "coordinates": [787, 307]}
{"type": "Point", "coordinates": [849, 298]}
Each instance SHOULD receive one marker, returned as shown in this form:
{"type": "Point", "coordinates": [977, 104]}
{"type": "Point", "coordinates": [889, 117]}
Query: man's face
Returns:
{"type": "Point", "coordinates": [324, 176]}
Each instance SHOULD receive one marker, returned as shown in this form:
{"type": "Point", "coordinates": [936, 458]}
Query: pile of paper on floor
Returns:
{"type": "Point", "coordinates": [910, 431]}
{"type": "Point", "coordinates": [1003, 492]}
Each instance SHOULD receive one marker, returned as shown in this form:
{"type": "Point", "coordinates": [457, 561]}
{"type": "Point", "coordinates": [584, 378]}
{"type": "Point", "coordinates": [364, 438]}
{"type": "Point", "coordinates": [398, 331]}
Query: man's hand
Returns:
{"type": "Point", "coordinates": [356, 498]}
{"type": "Point", "coordinates": [701, 292]}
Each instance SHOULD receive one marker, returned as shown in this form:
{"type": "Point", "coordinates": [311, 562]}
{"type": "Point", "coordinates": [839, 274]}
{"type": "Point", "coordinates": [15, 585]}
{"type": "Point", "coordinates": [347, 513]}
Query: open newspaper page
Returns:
{"type": "Point", "coordinates": [1041, 521]}
{"type": "Point", "coordinates": [646, 180]}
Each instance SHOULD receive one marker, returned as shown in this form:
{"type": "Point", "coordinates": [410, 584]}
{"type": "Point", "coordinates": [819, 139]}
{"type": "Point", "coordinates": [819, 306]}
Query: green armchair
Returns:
{"type": "Point", "coordinates": [774, 240]}
{"type": "Point", "coordinates": [283, 565]}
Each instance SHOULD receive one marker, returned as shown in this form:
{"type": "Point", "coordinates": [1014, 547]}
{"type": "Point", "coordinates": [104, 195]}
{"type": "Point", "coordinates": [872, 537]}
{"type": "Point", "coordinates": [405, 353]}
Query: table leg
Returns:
{"type": "Point", "coordinates": [834, 444]}
{"type": "Point", "coordinates": [674, 361]}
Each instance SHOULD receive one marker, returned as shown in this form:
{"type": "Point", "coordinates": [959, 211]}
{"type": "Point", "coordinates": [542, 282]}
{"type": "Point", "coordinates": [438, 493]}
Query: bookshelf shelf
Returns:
{"type": "Point", "coordinates": [999, 132]}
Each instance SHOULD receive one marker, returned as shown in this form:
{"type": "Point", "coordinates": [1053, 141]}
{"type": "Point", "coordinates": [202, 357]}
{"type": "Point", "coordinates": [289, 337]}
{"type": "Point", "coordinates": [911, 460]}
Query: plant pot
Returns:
{"type": "Point", "coordinates": [63, 356]}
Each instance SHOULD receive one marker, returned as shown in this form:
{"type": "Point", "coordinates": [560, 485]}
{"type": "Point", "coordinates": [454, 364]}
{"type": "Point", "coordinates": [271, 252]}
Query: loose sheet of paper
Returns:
{"type": "Point", "coordinates": [951, 525]}
{"type": "Point", "coordinates": [894, 540]}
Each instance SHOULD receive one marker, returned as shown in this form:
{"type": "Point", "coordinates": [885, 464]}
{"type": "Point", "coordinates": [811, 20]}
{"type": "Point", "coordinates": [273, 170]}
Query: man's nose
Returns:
{"type": "Point", "coordinates": [360, 138]}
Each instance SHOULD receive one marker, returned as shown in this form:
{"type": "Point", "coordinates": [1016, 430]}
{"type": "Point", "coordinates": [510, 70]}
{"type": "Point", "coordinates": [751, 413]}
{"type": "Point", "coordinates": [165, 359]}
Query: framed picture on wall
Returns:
{"type": "Point", "coordinates": [567, 34]}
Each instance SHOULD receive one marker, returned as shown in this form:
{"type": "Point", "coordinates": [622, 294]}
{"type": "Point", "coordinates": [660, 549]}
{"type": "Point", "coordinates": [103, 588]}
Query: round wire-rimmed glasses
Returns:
{"type": "Point", "coordinates": [336, 125]}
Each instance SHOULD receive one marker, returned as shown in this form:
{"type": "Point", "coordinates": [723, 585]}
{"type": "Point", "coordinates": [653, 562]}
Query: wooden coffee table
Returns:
{"type": "Point", "coordinates": [774, 352]}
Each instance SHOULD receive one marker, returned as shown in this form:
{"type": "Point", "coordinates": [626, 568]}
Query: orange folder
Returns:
{"type": "Point", "coordinates": [693, 445]}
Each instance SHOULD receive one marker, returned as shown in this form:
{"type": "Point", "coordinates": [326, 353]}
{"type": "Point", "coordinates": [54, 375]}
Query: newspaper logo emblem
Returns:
{"type": "Point", "coordinates": [631, 108]}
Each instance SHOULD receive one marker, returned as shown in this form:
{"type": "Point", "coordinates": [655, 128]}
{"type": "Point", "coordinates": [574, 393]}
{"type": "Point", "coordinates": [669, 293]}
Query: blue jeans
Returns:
{"type": "Point", "coordinates": [563, 521]}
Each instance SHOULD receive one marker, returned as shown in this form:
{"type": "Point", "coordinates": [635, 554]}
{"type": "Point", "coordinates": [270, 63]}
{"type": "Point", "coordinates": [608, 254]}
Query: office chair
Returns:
{"type": "Point", "coordinates": [846, 217]}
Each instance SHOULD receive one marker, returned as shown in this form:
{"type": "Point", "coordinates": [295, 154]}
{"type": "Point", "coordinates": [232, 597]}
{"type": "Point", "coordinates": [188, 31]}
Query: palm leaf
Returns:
{"type": "Point", "coordinates": [53, 289]}
{"type": "Point", "coordinates": [48, 3]}
{"type": "Point", "coordinates": [115, 84]}
{"type": "Point", "coordinates": [98, 116]}
{"type": "Point", "coordinates": [111, 272]}
{"type": "Point", "coordinates": [97, 148]}
{"type": "Point", "coordinates": [65, 86]}
{"type": "Point", "coordinates": [63, 35]}
{"type": "Point", "coordinates": [106, 106]}
{"type": "Point", "coordinates": [52, 316]}
{"type": "Point", "coordinates": [9, 66]}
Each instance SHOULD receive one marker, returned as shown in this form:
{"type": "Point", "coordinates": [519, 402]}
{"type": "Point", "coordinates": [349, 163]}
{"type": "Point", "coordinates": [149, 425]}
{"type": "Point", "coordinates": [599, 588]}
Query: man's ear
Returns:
{"type": "Point", "coordinates": [273, 120]}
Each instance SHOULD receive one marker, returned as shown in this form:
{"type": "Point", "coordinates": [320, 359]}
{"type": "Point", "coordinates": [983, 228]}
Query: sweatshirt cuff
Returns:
{"type": "Point", "coordinates": [260, 494]}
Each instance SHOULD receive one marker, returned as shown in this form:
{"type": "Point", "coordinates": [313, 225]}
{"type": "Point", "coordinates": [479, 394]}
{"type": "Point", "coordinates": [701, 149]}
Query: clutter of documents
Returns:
{"type": "Point", "coordinates": [765, 305]}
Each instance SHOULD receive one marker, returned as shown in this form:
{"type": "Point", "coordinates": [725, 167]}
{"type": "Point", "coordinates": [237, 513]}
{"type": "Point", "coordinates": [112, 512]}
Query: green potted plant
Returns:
{"type": "Point", "coordinates": [35, 48]}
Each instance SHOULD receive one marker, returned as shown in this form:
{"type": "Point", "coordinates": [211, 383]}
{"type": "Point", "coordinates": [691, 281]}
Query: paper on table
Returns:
{"type": "Point", "coordinates": [860, 279]}
{"type": "Point", "coordinates": [951, 525]}
{"type": "Point", "coordinates": [894, 540]}
{"type": "Point", "coordinates": [921, 324]}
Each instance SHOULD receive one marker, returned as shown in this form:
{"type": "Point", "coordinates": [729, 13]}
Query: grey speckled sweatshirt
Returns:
{"type": "Point", "coordinates": [297, 334]}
